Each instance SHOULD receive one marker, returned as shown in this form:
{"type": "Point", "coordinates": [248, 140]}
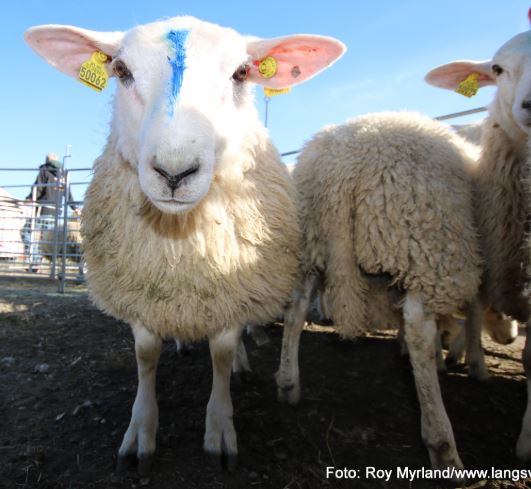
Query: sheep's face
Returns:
{"type": "Point", "coordinates": [509, 70]}
{"type": "Point", "coordinates": [179, 109]}
{"type": "Point", "coordinates": [184, 100]}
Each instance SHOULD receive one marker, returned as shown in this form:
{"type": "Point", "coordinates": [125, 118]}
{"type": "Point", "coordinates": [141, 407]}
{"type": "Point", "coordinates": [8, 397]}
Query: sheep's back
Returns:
{"type": "Point", "coordinates": [397, 187]}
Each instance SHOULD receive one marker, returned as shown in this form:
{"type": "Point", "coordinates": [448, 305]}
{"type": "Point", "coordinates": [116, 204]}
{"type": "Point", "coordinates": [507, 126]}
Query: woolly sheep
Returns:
{"type": "Point", "coordinates": [190, 226]}
{"type": "Point", "coordinates": [386, 197]}
{"type": "Point", "coordinates": [73, 248]}
{"type": "Point", "coordinates": [502, 195]}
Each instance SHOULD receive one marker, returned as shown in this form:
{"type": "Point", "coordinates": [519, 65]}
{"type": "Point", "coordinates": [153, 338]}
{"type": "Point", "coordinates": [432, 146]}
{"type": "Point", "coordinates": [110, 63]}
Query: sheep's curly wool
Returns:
{"type": "Point", "coordinates": [388, 194]}
{"type": "Point", "coordinates": [232, 260]}
{"type": "Point", "coordinates": [502, 198]}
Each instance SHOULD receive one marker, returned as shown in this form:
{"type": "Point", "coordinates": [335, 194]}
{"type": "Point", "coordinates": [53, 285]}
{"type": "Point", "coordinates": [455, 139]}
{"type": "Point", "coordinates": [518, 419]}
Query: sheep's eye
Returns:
{"type": "Point", "coordinates": [498, 70]}
{"type": "Point", "coordinates": [122, 71]}
{"type": "Point", "coordinates": [241, 73]}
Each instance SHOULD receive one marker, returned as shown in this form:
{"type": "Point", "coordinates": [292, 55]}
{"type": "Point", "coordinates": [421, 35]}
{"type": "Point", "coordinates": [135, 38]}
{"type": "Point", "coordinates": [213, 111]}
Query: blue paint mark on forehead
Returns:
{"type": "Point", "coordinates": [177, 63]}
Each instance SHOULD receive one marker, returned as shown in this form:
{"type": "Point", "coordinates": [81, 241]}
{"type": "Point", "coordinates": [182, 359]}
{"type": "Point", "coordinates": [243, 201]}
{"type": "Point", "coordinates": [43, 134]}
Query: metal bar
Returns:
{"type": "Point", "coordinates": [439, 118]}
{"type": "Point", "coordinates": [461, 114]}
{"type": "Point", "coordinates": [65, 229]}
{"type": "Point", "coordinates": [36, 169]}
{"type": "Point", "coordinates": [288, 153]}
{"type": "Point", "coordinates": [56, 225]}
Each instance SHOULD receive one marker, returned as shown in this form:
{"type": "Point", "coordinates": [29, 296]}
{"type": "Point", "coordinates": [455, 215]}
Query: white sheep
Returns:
{"type": "Point", "coordinates": [502, 195]}
{"type": "Point", "coordinates": [190, 225]}
{"type": "Point", "coordinates": [386, 213]}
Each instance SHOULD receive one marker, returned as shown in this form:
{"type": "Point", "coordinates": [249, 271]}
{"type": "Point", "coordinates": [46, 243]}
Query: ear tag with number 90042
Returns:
{"type": "Point", "coordinates": [93, 73]}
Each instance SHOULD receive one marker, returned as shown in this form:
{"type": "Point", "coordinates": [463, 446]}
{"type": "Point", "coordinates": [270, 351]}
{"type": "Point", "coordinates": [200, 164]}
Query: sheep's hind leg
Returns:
{"type": "Point", "coordinates": [220, 435]}
{"type": "Point", "coordinates": [456, 349]}
{"type": "Point", "coordinates": [258, 335]}
{"type": "Point", "coordinates": [140, 437]}
{"type": "Point", "coordinates": [523, 447]}
{"type": "Point", "coordinates": [435, 426]}
{"type": "Point", "coordinates": [240, 366]}
{"type": "Point", "coordinates": [475, 356]}
{"type": "Point", "coordinates": [287, 376]}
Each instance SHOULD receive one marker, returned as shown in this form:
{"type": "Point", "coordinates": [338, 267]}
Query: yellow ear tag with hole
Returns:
{"type": "Point", "coordinates": [271, 92]}
{"type": "Point", "coordinates": [93, 73]}
{"type": "Point", "coordinates": [469, 86]}
{"type": "Point", "coordinates": [268, 67]}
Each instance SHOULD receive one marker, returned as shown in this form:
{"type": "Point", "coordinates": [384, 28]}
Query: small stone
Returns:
{"type": "Point", "coordinates": [253, 476]}
{"type": "Point", "coordinates": [41, 368]}
{"type": "Point", "coordinates": [7, 361]}
{"type": "Point", "coordinates": [144, 481]}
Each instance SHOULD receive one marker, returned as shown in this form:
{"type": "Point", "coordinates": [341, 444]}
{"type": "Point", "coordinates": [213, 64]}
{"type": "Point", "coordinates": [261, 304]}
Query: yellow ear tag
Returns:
{"type": "Point", "coordinates": [469, 86]}
{"type": "Point", "coordinates": [271, 92]}
{"type": "Point", "coordinates": [93, 72]}
{"type": "Point", "coordinates": [268, 67]}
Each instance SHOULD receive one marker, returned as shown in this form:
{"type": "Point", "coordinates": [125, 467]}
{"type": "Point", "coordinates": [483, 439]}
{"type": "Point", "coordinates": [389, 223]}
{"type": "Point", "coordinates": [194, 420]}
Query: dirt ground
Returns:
{"type": "Point", "coordinates": [68, 380]}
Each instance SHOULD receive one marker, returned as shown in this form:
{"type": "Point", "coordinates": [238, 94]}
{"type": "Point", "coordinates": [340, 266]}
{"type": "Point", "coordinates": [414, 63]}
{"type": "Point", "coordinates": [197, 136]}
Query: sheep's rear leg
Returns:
{"type": "Point", "coordinates": [436, 429]}
{"type": "Point", "coordinates": [456, 350]}
{"type": "Point", "coordinates": [258, 335]}
{"type": "Point", "coordinates": [475, 356]}
{"type": "Point", "coordinates": [523, 447]}
{"type": "Point", "coordinates": [287, 376]}
{"type": "Point", "coordinates": [240, 366]}
{"type": "Point", "coordinates": [220, 435]}
{"type": "Point", "coordinates": [140, 437]}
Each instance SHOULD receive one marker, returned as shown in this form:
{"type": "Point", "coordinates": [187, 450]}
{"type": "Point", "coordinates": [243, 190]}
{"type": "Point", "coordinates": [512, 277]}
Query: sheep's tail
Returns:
{"type": "Point", "coordinates": [346, 286]}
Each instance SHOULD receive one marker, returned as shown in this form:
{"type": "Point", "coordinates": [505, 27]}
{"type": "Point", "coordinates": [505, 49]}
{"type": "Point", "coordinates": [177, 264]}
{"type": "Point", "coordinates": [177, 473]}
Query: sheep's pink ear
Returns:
{"type": "Point", "coordinates": [450, 75]}
{"type": "Point", "coordinates": [66, 48]}
{"type": "Point", "coordinates": [286, 61]}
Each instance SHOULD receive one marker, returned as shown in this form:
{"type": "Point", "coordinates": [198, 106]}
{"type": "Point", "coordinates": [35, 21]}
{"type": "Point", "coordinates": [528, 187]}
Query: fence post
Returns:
{"type": "Point", "coordinates": [56, 225]}
{"type": "Point", "coordinates": [65, 231]}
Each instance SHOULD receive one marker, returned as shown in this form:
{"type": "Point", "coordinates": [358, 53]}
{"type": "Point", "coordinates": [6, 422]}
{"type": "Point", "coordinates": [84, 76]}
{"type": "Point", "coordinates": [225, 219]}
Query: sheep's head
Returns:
{"type": "Point", "coordinates": [509, 70]}
{"type": "Point", "coordinates": [184, 94]}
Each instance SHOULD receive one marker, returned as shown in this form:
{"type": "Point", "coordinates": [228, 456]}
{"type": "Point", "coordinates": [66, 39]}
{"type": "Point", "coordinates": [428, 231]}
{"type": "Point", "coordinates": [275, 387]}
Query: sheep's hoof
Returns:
{"type": "Point", "coordinates": [125, 461]}
{"type": "Point", "coordinates": [144, 462]}
{"type": "Point", "coordinates": [222, 461]}
{"type": "Point", "coordinates": [478, 371]}
{"type": "Point", "coordinates": [451, 362]}
{"type": "Point", "coordinates": [289, 394]}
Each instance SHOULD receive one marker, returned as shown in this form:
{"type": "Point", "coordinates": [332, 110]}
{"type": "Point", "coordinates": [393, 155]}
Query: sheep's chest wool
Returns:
{"type": "Point", "coordinates": [231, 260]}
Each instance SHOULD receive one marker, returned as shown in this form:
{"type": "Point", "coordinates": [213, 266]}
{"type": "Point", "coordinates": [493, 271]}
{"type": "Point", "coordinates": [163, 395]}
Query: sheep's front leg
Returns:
{"type": "Point", "coordinates": [287, 376]}
{"type": "Point", "coordinates": [523, 447]}
{"type": "Point", "coordinates": [475, 356]}
{"type": "Point", "coordinates": [140, 437]}
{"type": "Point", "coordinates": [220, 435]}
{"type": "Point", "coordinates": [436, 429]}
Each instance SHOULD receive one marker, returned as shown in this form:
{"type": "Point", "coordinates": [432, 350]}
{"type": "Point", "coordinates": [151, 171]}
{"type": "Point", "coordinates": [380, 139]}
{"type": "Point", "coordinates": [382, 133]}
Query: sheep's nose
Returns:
{"type": "Point", "coordinates": [526, 104]}
{"type": "Point", "coordinates": [174, 181]}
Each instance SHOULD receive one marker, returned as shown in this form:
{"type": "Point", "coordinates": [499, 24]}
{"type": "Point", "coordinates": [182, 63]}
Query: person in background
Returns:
{"type": "Point", "coordinates": [46, 198]}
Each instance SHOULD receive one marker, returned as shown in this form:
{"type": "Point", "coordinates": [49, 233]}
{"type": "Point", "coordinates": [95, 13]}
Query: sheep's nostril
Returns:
{"type": "Point", "coordinates": [526, 104]}
{"type": "Point", "coordinates": [174, 181]}
{"type": "Point", "coordinates": [162, 173]}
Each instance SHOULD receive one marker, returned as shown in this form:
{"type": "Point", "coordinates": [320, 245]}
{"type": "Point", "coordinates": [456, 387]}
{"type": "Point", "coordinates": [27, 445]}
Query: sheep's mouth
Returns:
{"type": "Point", "coordinates": [174, 206]}
{"type": "Point", "coordinates": [175, 201]}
